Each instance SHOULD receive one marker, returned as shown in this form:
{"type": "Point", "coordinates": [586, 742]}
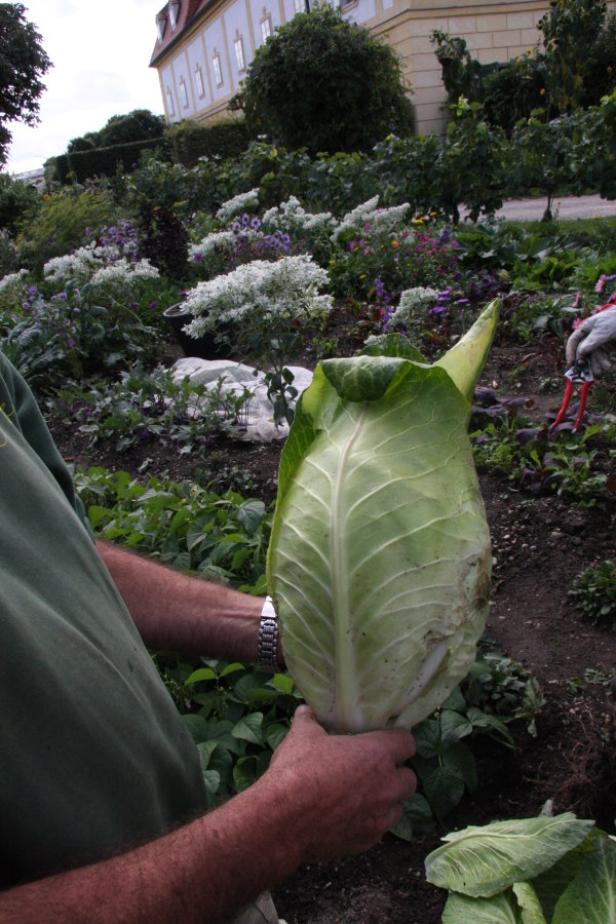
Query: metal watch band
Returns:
{"type": "Point", "coordinates": [267, 639]}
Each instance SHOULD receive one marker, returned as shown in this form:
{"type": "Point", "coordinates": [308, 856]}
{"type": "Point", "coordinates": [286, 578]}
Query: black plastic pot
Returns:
{"type": "Point", "coordinates": [204, 347]}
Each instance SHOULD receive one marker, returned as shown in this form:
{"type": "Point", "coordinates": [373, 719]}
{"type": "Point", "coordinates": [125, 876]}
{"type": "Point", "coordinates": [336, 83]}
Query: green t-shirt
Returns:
{"type": "Point", "coordinates": [94, 758]}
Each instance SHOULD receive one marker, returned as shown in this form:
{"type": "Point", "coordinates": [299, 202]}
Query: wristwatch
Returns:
{"type": "Point", "coordinates": [267, 639]}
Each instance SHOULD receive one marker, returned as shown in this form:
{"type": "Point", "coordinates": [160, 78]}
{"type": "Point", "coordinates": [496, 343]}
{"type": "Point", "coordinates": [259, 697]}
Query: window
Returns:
{"type": "Point", "coordinates": [266, 27]}
{"type": "Point", "coordinates": [199, 81]}
{"type": "Point", "coordinates": [183, 93]}
{"type": "Point", "coordinates": [238, 45]}
{"type": "Point", "coordinates": [217, 69]}
{"type": "Point", "coordinates": [174, 12]}
{"type": "Point", "coordinates": [161, 22]}
{"type": "Point", "coordinates": [170, 106]}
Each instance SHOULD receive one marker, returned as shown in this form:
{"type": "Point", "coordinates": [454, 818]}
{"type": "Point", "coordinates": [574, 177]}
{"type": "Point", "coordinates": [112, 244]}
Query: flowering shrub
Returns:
{"type": "Point", "coordinates": [263, 310]}
{"type": "Point", "coordinates": [222, 251]}
{"type": "Point", "coordinates": [286, 289]}
{"type": "Point", "coordinates": [379, 221]}
{"type": "Point", "coordinates": [413, 256]}
{"type": "Point", "coordinates": [238, 204]}
{"type": "Point", "coordinates": [289, 216]}
{"type": "Point", "coordinates": [413, 306]}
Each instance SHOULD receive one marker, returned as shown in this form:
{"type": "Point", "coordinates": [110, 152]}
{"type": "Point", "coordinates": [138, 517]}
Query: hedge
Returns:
{"type": "Point", "coordinates": [84, 165]}
{"type": "Point", "coordinates": [189, 140]}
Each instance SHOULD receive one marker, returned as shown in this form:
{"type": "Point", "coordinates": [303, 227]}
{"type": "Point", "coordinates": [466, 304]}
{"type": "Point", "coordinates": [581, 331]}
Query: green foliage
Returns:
{"type": "Point", "coordinates": [573, 69]}
{"type": "Point", "coordinates": [571, 30]}
{"type": "Point", "coordinates": [222, 537]}
{"type": "Point", "coordinates": [164, 239]}
{"type": "Point", "coordinates": [144, 408]}
{"type": "Point", "coordinates": [79, 330]}
{"type": "Point", "coordinates": [23, 63]}
{"type": "Point", "coordinates": [574, 466]}
{"type": "Point", "coordinates": [65, 220]}
{"type": "Point", "coordinates": [544, 156]}
{"type": "Point", "coordinates": [121, 129]}
{"type": "Point", "coordinates": [84, 164]}
{"type": "Point", "coordinates": [326, 85]}
{"type": "Point", "coordinates": [594, 592]}
{"type": "Point", "coordinates": [189, 140]}
{"type": "Point", "coordinates": [472, 167]}
{"type": "Point", "coordinates": [16, 200]}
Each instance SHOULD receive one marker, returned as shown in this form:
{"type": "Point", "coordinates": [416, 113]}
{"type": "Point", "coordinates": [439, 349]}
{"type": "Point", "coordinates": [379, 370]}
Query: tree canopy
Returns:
{"type": "Point", "coordinates": [23, 62]}
{"type": "Point", "coordinates": [138, 125]}
{"type": "Point", "coordinates": [326, 85]}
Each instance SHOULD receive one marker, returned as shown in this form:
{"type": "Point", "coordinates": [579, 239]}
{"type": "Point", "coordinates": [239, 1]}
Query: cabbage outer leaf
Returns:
{"type": "Point", "coordinates": [485, 861]}
{"type": "Point", "coordinates": [591, 897]}
{"type": "Point", "coordinates": [379, 561]}
{"type": "Point", "coordinates": [460, 909]}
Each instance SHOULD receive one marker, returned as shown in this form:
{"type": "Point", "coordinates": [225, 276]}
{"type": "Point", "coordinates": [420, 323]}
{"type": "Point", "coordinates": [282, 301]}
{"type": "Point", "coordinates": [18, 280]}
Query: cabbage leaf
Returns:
{"type": "Point", "coordinates": [379, 561]}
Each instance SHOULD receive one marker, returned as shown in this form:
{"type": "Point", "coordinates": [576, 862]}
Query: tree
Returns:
{"type": "Point", "coordinates": [138, 125]}
{"type": "Point", "coordinates": [326, 85]}
{"type": "Point", "coordinates": [23, 63]}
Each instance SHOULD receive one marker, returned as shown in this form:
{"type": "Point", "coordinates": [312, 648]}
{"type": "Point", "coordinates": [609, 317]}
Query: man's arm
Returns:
{"type": "Point", "coordinates": [175, 612]}
{"type": "Point", "coordinates": [323, 796]}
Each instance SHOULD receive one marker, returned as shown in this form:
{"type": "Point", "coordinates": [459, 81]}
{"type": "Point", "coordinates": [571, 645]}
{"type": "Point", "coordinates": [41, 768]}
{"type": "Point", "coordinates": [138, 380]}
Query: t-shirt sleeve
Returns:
{"type": "Point", "coordinates": [19, 404]}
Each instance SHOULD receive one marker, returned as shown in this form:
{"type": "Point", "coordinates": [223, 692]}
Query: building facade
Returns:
{"type": "Point", "coordinates": [204, 47]}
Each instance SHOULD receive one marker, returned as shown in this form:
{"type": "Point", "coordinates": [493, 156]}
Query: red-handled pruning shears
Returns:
{"type": "Point", "coordinates": [579, 374]}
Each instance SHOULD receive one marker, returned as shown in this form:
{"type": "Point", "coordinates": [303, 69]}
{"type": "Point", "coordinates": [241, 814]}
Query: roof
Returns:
{"type": "Point", "coordinates": [189, 12]}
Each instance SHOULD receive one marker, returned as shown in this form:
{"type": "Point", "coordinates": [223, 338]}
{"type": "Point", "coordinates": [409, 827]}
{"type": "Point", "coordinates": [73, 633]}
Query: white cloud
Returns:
{"type": "Point", "coordinates": [100, 53]}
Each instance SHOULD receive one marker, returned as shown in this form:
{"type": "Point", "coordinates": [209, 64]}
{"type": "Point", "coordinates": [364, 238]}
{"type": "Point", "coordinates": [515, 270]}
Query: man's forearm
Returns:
{"type": "Point", "coordinates": [176, 612]}
{"type": "Point", "coordinates": [205, 871]}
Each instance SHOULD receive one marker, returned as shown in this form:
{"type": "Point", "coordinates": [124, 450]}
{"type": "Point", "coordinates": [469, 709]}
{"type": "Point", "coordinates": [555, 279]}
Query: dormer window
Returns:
{"type": "Point", "coordinates": [217, 69]}
{"type": "Point", "coordinates": [266, 26]}
{"type": "Point", "coordinates": [161, 24]}
{"type": "Point", "coordinates": [238, 45]}
{"type": "Point", "coordinates": [199, 81]}
{"type": "Point", "coordinates": [170, 106]}
{"type": "Point", "coordinates": [184, 92]}
{"type": "Point", "coordinates": [174, 12]}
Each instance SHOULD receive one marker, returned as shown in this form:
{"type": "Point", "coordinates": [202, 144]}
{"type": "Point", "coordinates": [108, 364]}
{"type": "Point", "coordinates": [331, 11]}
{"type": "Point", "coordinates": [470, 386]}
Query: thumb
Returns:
{"type": "Point", "coordinates": [304, 718]}
{"type": "Point", "coordinates": [577, 336]}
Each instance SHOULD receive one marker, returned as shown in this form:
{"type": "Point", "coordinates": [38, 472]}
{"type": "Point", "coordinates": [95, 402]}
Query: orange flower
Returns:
{"type": "Point", "coordinates": [395, 244]}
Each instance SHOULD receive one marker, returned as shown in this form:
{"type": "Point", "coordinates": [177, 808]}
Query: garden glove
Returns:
{"type": "Point", "coordinates": [594, 341]}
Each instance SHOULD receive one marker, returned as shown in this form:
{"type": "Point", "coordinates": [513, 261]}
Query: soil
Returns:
{"type": "Point", "coordinates": [540, 544]}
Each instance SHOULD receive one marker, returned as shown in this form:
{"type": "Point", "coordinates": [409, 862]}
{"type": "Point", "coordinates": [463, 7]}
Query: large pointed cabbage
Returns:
{"type": "Point", "coordinates": [379, 561]}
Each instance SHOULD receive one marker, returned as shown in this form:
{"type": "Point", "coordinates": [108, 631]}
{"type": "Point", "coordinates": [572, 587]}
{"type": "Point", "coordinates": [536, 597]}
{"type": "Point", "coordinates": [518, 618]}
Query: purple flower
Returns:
{"type": "Point", "coordinates": [439, 309]}
{"type": "Point", "coordinates": [245, 221]}
{"type": "Point", "coordinates": [255, 224]}
{"type": "Point", "coordinates": [236, 227]}
{"type": "Point", "coordinates": [153, 305]}
{"type": "Point", "coordinates": [32, 291]}
{"type": "Point", "coordinates": [198, 257]}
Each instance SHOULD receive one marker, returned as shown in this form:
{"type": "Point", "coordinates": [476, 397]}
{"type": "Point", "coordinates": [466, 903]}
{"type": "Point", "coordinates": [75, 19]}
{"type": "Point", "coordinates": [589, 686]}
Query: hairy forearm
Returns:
{"type": "Point", "coordinates": [176, 612]}
{"type": "Point", "coordinates": [203, 872]}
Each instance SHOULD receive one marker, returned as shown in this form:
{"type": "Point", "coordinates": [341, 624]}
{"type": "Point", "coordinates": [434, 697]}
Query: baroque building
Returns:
{"type": "Point", "coordinates": [204, 47]}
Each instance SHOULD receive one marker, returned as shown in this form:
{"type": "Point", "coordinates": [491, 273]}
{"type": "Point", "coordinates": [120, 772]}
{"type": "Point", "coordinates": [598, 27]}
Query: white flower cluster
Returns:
{"type": "Point", "coordinates": [413, 302]}
{"type": "Point", "coordinates": [13, 281]}
{"type": "Point", "coordinates": [381, 221]}
{"type": "Point", "coordinates": [289, 216]}
{"type": "Point", "coordinates": [77, 266]}
{"type": "Point", "coordinates": [287, 287]}
{"type": "Point", "coordinates": [238, 204]}
{"type": "Point", "coordinates": [124, 273]}
{"type": "Point", "coordinates": [217, 240]}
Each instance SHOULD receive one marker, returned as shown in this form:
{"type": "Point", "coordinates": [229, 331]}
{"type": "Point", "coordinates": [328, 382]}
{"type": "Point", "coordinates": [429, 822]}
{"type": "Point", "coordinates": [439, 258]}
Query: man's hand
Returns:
{"type": "Point", "coordinates": [349, 788]}
{"type": "Point", "coordinates": [594, 341]}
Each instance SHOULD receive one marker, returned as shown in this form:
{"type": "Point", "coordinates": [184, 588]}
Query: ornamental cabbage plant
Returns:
{"type": "Point", "coordinates": [379, 561]}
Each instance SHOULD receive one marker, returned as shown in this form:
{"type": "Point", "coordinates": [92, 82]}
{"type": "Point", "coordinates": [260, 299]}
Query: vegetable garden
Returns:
{"type": "Point", "coordinates": [161, 466]}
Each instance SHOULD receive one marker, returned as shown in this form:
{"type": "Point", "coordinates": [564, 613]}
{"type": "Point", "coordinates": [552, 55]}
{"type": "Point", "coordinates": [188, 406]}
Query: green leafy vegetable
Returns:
{"type": "Point", "coordinates": [591, 897]}
{"type": "Point", "coordinates": [379, 561]}
{"type": "Point", "coordinates": [484, 861]}
{"type": "Point", "coordinates": [461, 909]}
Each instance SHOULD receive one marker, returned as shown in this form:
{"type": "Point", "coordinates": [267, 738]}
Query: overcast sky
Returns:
{"type": "Point", "coordinates": [100, 51]}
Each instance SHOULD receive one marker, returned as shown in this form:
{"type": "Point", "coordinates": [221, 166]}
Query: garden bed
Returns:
{"type": "Point", "coordinates": [541, 542]}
